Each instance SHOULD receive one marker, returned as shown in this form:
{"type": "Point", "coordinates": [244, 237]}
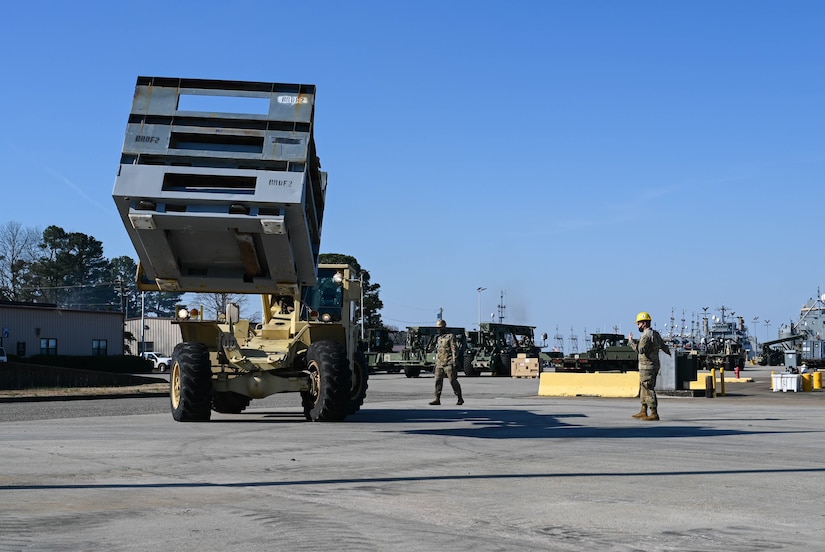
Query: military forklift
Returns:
{"type": "Point", "coordinates": [218, 197]}
{"type": "Point", "coordinates": [495, 345]}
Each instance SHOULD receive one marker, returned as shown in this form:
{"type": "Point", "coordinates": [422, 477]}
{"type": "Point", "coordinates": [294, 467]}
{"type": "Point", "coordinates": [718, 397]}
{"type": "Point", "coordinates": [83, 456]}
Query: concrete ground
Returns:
{"type": "Point", "coordinates": [508, 470]}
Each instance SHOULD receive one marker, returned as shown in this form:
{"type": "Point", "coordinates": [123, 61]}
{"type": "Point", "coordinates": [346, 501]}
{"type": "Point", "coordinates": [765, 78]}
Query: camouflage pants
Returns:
{"type": "Point", "coordinates": [647, 384]}
{"type": "Point", "coordinates": [449, 372]}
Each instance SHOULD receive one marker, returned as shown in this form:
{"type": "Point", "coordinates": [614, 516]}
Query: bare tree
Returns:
{"type": "Point", "coordinates": [18, 251]}
{"type": "Point", "coordinates": [214, 304]}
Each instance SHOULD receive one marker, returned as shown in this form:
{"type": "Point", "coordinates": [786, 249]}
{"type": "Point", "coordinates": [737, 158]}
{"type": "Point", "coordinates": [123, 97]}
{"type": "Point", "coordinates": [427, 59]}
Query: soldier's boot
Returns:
{"type": "Point", "coordinates": [460, 400]}
{"type": "Point", "coordinates": [437, 401]}
{"type": "Point", "coordinates": [641, 413]}
{"type": "Point", "coordinates": [652, 417]}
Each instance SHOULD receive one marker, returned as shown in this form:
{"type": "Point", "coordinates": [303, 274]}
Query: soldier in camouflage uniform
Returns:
{"type": "Point", "coordinates": [648, 347]}
{"type": "Point", "coordinates": [446, 363]}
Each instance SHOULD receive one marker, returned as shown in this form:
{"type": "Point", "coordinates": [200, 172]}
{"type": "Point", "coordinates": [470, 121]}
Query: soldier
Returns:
{"type": "Point", "coordinates": [446, 362]}
{"type": "Point", "coordinates": [648, 347]}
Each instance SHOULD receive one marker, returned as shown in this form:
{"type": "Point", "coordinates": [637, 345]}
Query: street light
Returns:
{"type": "Point", "coordinates": [767, 325]}
{"type": "Point", "coordinates": [479, 290]}
{"type": "Point", "coordinates": [756, 339]}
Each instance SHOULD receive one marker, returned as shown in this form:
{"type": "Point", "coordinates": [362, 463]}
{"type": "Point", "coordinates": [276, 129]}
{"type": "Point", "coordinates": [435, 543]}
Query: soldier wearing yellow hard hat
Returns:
{"type": "Point", "coordinates": [648, 347]}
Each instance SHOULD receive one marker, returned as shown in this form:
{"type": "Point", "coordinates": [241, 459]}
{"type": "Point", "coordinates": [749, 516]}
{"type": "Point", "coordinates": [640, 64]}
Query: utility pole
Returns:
{"type": "Point", "coordinates": [124, 304]}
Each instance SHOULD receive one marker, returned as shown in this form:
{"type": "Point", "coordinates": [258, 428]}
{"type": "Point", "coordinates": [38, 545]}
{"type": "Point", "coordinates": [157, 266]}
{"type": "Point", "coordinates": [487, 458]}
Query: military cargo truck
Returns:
{"type": "Point", "coordinates": [493, 348]}
{"type": "Point", "coordinates": [230, 199]}
{"type": "Point", "coordinates": [608, 352]}
{"type": "Point", "coordinates": [378, 341]}
{"type": "Point", "coordinates": [418, 353]}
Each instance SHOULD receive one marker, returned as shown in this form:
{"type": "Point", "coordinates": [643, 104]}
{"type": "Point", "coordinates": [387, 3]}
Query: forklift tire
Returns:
{"type": "Point", "coordinates": [330, 382]}
{"type": "Point", "coordinates": [190, 383]}
{"type": "Point", "coordinates": [360, 379]}
{"type": "Point", "coordinates": [229, 402]}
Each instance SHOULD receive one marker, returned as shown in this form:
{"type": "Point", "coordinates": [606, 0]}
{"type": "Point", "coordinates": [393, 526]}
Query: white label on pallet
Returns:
{"type": "Point", "coordinates": [293, 100]}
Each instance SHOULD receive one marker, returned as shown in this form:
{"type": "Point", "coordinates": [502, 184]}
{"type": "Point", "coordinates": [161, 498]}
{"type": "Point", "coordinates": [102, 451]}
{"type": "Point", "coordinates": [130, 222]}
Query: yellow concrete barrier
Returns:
{"type": "Point", "coordinates": [816, 380]}
{"type": "Point", "coordinates": [699, 383]}
{"type": "Point", "coordinates": [807, 381]}
{"type": "Point", "coordinates": [561, 384]}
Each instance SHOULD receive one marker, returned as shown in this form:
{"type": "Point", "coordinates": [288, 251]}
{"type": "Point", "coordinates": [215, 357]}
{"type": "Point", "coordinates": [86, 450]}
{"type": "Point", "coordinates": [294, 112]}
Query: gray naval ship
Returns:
{"type": "Point", "coordinates": [799, 343]}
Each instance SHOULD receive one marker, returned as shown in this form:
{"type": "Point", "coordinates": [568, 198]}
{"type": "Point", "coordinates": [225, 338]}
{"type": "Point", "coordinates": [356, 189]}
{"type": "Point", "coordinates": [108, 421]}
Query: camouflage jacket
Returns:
{"type": "Point", "coordinates": [648, 348]}
{"type": "Point", "coordinates": [446, 351]}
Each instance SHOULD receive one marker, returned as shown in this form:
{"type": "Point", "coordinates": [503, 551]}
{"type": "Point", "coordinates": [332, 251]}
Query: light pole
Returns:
{"type": "Point", "coordinates": [756, 339]}
{"type": "Point", "coordinates": [767, 325]}
{"type": "Point", "coordinates": [479, 290]}
{"type": "Point", "coordinates": [142, 322]}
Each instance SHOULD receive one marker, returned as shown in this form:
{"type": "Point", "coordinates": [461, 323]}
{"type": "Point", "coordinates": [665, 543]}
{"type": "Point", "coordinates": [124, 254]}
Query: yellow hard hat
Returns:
{"type": "Point", "coordinates": [643, 317]}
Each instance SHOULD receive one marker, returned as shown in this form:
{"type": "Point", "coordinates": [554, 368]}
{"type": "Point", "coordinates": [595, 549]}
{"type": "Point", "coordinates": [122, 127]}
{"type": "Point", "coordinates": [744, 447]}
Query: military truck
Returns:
{"type": "Point", "coordinates": [230, 199]}
{"type": "Point", "coordinates": [377, 342]}
{"type": "Point", "coordinates": [724, 344]}
{"type": "Point", "coordinates": [494, 346]}
{"type": "Point", "coordinates": [608, 352]}
{"type": "Point", "coordinates": [418, 353]}
{"type": "Point", "coordinates": [721, 354]}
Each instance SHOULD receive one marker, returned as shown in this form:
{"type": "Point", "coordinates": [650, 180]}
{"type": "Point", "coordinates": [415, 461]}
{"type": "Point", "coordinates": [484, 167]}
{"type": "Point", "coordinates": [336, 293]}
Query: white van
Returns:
{"type": "Point", "coordinates": [3, 358]}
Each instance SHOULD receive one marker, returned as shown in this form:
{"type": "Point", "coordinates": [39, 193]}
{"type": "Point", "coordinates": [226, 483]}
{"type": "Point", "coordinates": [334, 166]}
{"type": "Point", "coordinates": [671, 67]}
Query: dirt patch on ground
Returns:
{"type": "Point", "coordinates": [146, 389]}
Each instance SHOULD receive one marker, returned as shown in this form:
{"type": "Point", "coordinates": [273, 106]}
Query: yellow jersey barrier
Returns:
{"type": "Point", "coordinates": [596, 384]}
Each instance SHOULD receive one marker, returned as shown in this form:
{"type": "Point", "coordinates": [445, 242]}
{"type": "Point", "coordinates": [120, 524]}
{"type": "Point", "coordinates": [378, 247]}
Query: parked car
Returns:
{"type": "Point", "coordinates": [160, 362]}
{"type": "Point", "coordinates": [3, 358]}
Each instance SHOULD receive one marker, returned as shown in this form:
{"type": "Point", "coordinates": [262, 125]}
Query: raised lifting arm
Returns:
{"type": "Point", "coordinates": [222, 201]}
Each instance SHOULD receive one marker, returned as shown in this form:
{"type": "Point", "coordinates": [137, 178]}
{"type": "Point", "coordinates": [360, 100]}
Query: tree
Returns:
{"type": "Point", "coordinates": [18, 250]}
{"type": "Point", "coordinates": [122, 273]}
{"type": "Point", "coordinates": [72, 272]}
{"type": "Point", "coordinates": [128, 339]}
{"type": "Point", "coordinates": [372, 301]}
{"type": "Point", "coordinates": [161, 303]}
{"type": "Point", "coordinates": [215, 303]}
{"type": "Point", "coordinates": [123, 270]}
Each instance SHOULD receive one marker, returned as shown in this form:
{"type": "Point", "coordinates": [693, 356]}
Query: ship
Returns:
{"type": "Point", "coordinates": [801, 342]}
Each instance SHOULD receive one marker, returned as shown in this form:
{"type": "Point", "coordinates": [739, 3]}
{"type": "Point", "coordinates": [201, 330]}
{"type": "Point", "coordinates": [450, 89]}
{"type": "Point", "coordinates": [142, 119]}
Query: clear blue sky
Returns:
{"type": "Point", "coordinates": [589, 159]}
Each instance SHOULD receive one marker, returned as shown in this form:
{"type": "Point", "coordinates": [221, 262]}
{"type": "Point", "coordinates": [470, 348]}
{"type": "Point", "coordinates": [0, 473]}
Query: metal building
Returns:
{"type": "Point", "coordinates": [28, 329]}
{"type": "Point", "coordinates": [158, 335]}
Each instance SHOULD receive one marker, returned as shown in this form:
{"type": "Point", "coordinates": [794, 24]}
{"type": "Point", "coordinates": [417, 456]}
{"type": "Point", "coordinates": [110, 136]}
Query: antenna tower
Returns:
{"type": "Point", "coordinates": [558, 341]}
{"type": "Point", "coordinates": [501, 307]}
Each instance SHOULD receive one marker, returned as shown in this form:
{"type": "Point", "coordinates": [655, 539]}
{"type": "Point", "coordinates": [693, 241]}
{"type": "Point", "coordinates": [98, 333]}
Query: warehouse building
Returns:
{"type": "Point", "coordinates": [158, 335]}
{"type": "Point", "coordinates": [28, 329]}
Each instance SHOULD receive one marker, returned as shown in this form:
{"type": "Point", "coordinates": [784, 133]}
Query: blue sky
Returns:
{"type": "Point", "coordinates": [587, 159]}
